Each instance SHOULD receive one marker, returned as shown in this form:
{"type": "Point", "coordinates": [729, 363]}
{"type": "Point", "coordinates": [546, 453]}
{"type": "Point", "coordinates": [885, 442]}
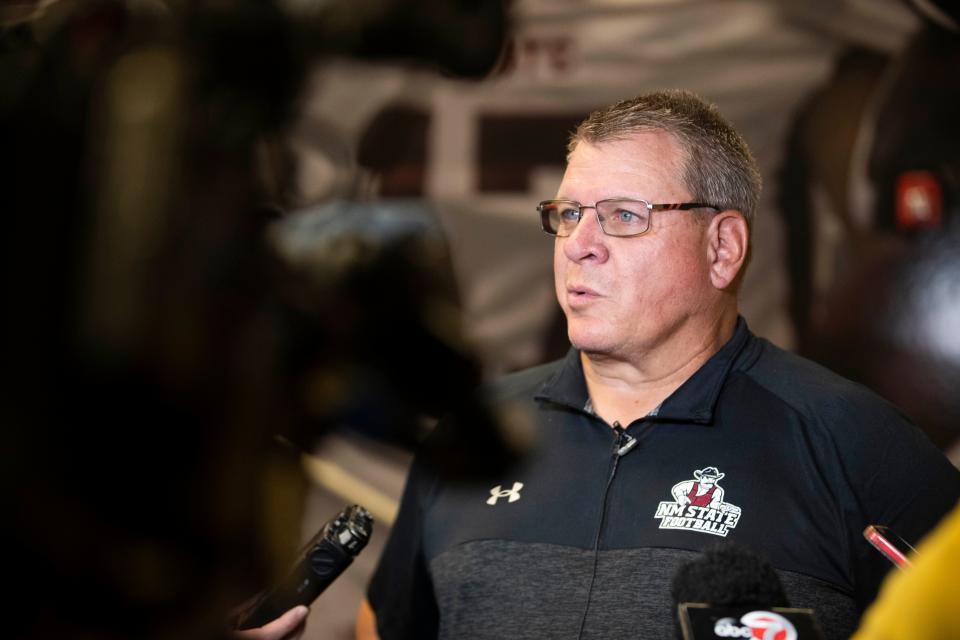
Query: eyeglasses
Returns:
{"type": "Point", "coordinates": [617, 217]}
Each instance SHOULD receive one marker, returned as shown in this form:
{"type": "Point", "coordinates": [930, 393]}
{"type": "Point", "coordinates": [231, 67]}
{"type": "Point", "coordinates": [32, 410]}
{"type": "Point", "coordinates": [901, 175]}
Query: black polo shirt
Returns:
{"type": "Point", "coordinates": [581, 537]}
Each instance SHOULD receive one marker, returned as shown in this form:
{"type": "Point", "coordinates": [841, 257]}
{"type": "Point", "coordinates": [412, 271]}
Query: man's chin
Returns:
{"type": "Point", "coordinates": [591, 344]}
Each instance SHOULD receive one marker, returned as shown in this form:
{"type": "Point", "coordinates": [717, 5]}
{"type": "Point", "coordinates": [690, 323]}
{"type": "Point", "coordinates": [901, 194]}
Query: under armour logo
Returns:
{"type": "Point", "coordinates": [512, 495]}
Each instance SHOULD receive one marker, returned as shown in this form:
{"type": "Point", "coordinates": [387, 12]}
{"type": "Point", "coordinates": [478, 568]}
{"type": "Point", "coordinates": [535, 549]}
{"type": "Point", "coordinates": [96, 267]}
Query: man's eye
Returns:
{"type": "Point", "coordinates": [569, 214]}
{"type": "Point", "coordinates": [628, 217]}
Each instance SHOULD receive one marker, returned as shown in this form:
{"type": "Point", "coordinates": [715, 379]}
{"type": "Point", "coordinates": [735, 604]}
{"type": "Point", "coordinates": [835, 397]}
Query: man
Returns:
{"type": "Point", "coordinates": [582, 536]}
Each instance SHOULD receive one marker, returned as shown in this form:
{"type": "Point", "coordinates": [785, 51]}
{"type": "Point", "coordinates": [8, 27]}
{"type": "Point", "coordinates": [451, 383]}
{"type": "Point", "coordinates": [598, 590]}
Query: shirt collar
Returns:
{"type": "Point", "coordinates": [694, 401]}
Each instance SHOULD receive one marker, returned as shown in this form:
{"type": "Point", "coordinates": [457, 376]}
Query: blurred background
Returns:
{"type": "Point", "coordinates": [254, 250]}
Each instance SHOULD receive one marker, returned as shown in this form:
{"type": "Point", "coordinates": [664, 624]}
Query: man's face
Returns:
{"type": "Point", "coordinates": [624, 297]}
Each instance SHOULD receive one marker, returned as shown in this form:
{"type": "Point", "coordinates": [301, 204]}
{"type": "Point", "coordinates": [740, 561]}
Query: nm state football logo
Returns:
{"type": "Point", "coordinates": [698, 505]}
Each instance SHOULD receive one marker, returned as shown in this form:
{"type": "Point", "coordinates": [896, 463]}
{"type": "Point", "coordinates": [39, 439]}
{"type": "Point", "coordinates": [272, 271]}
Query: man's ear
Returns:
{"type": "Point", "coordinates": [728, 242]}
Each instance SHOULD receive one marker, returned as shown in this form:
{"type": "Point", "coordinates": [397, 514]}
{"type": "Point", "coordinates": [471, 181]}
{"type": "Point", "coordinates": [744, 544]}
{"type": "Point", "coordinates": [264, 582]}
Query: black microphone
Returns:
{"type": "Point", "coordinates": [728, 575]}
{"type": "Point", "coordinates": [322, 560]}
{"type": "Point", "coordinates": [730, 591]}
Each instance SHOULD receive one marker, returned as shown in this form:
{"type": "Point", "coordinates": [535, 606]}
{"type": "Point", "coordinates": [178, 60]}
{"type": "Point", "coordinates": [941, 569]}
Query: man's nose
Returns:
{"type": "Point", "coordinates": [588, 241]}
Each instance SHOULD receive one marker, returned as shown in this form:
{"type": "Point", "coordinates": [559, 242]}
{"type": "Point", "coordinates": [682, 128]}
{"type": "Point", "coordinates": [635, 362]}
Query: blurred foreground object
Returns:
{"type": "Point", "coordinates": [871, 198]}
{"type": "Point", "coordinates": [375, 339]}
{"type": "Point", "coordinates": [142, 390]}
{"type": "Point", "coordinates": [146, 331]}
{"type": "Point", "coordinates": [920, 602]}
{"type": "Point", "coordinates": [894, 324]}
{"type": "Point", "coordinates": [376, 329]}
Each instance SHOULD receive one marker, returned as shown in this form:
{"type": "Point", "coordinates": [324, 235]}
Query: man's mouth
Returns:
{"type": "Point", "coordinates": [579, 291]}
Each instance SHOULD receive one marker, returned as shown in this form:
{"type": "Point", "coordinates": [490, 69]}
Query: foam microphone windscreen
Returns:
{"type": "Point", "coordinates": [728, 575]}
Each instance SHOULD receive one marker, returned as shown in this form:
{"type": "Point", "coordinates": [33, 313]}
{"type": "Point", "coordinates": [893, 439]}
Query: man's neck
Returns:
{"type": "Point", "coordinates": [624, 389]}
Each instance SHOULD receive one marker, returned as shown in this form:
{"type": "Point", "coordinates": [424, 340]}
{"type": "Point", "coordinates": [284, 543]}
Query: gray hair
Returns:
{"type": "Point", "coordinates": [718, 166]}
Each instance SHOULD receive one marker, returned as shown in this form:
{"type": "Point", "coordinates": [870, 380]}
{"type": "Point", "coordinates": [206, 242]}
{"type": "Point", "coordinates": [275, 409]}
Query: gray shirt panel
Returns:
{"type": "Point", "coordinates": [500, 590]}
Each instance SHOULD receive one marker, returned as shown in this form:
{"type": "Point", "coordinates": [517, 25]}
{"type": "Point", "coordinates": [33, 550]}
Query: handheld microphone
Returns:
{"type": "Point", "coordinates": [731, 592]}
{"type": "Point", "coordinates": [322, 560]}
{"type": "Point", "coordinates": [728, 575]}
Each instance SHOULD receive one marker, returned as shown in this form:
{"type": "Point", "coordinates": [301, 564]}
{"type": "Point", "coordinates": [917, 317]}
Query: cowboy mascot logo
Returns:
{"type": "Point", "coordinates": [698, 505]}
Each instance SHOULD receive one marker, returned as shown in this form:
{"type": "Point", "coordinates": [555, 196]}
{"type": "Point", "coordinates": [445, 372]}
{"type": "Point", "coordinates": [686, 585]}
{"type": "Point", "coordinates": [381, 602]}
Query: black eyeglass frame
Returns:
{"type": "Point", "coordinates": [544, 205]}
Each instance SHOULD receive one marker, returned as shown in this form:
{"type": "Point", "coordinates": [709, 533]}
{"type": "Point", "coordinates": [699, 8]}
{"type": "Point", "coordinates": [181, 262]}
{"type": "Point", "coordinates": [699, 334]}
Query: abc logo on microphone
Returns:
{"type": "Point", "coordinates": [703, 622]}
{"type": "Point", "coordinates": [763, 625]}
